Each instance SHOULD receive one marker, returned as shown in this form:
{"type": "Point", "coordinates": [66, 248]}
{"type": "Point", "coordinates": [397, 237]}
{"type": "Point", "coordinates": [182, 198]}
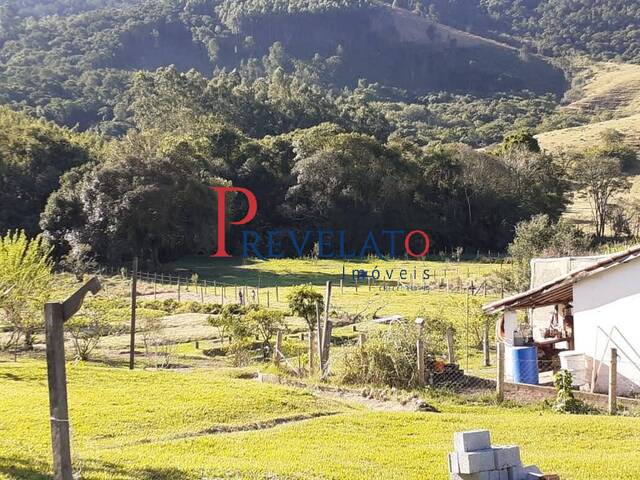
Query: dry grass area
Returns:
{"type": "Point", "coordinates": [579, 138]}
{"type": "Point", "coordinates": [416, 29]}
{"type": "Point", "coordinates": [603, 90]}
{"type": "Point", "coordinates": [606, 90]}
{"type": "Point", "coordinates": [607, 87]}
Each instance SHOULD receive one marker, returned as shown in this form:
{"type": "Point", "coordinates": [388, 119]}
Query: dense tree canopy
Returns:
{"type": "Point", "coordinates": [324, 109]}
{"type": "Point", "coordinates": [33, 156]}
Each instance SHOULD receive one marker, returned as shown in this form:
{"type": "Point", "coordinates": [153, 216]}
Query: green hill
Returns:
{"type": "Point", "coordinates": [74, 66]}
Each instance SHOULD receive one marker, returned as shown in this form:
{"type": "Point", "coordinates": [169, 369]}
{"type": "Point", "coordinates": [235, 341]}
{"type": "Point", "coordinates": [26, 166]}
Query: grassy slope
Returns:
{"type": "Point", "coordinates": [112, 407]}
{"type": "Point", "coordinates": [609, 89]}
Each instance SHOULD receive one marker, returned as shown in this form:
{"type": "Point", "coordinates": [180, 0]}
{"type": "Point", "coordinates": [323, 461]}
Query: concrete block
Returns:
{"type": "Point", "coordinates": [453, 463]}
{"type": "Point", "coordinates": [471, 441]}
{"type": "Point", "coordinates": [507, 456]}
{"type": "Point", "coordinates": [515, 473]}
{"type": "Point", "coordinates": [478, 461]}
{"type": "Point", "coordinates": [530, 473]}
{"type": "Point", "coordinates": [471, 476]}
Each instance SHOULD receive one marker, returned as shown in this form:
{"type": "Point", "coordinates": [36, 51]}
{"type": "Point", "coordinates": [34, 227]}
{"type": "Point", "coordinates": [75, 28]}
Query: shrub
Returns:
{"type": "Point", "coordinates": [265, 323]}
{"type": "Point", "coordinates": [86, 329]}
{"type": "Point", "coordinates": [25, 285]}
{"type": "Point", "coordinates": [565, 400]}
{"type": "Point", "coordinates": [170, 305]}
{"type": "Point", "coordinates": [388, 357]}
{"type": "Point", "coordinates": [188, 307]}
{"type": "Point", "coordinates": [240, 351]}
{"type": "Point", "coordinates": [211, 308]}
{"type": "Point", "coordinates": [303, 301]}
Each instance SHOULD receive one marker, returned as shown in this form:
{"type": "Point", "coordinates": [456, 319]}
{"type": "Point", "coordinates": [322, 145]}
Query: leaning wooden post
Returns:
{"type": "Point", "coordinates": [485, 345]}
{"type": "Point", "coordinates": [613, 382]}
{"type": "Point", "coordinates": [134, 294]}
{"type": "Point", "coordinates": [421, 371]}
{"type": "Point", "coordinates": [55, 314]}
{"type": "Point", "coordinates": [500, 373]}
{"type": "Point", "coordinates": [451, 357]}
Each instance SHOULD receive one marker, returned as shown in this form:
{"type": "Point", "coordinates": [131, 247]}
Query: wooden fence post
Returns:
{"type": "Point", "coordinates": [362, 337]}
{"type": "Point", "coordinates": [613, 382]}
{"type": "Point", "coordinates": [421, 371]}
{"type": "Point", "coordinates": [276, 353]}
{"type": "Point", "coordinates": [311, 351]}
{"type": "Point", "coordinates": [134, 295]}
{"type": "Point", "coordinates": [178, 288]}
{"type": "Point", "coordinates": [268, 300]}
{"type": "Point", "coordinates": [485, 345]}
{"type": "Point", "coordinates": [500, 373]}
{"type": "Point", "coordinates": [319, 341]}
{"type": "Point", "coordinates": [450, 346]}
{"type": "Point", "coordinates": [55, 314]}
{"type": "Point", "coordinates": [58, 407]}
{"type": "Point", "coordinates": [277, 297]}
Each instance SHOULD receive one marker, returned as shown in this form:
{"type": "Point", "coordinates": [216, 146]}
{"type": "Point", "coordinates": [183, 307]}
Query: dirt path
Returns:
{"type": "Point", "coordinates": [376, 400]}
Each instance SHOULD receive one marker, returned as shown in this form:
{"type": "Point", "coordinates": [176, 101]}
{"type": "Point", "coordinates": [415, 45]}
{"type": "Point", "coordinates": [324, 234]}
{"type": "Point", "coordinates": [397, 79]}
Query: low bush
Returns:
{"type": "Point", "coordinates": [566, 402]}
{"type": "Point", "coordinates": [388, 357]}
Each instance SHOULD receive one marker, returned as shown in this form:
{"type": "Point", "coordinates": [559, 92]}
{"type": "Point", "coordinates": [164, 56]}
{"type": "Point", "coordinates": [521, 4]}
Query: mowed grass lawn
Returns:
{"type": "Point", "coordinates": [126, 425]}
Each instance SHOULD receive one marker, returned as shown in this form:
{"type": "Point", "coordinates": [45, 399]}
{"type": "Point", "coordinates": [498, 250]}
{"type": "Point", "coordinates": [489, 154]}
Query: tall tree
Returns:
{"type": "Point", "coordinates": [599, 180]}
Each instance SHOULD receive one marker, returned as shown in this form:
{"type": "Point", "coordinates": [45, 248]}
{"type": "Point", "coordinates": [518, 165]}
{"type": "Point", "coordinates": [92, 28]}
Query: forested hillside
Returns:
{"type": "Point", "coordinates": [388, 100]}
{"type": "Point", "coordinates": [75, 68]}
{"type": "Point", "coordinates": [603, 29]}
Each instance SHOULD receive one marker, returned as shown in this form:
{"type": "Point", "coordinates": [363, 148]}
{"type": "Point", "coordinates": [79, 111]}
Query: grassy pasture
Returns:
{"type": "Point", "coordinates": [200, 422]}
{"type": "Point", "coordinates": [162, 425]}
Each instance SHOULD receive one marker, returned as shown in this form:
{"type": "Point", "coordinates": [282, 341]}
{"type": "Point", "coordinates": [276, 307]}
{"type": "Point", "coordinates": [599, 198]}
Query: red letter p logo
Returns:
{"type": "Point", "coordinates": [251, 213]}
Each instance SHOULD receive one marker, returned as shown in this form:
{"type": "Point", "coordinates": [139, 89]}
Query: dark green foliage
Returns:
{"type": "Point", "coordinates": [149, 197]}
{"type": "Point", "coordinates": [522, 139]}
{"type": "Point", "coordinates": [305, 301]}
{"type": "Point", "coordinates": [602, 28]}
{"type": "Point", "coordinates": [541, 237]}
{"type": "Point", "coordinates": [75, 68]}
{"type": "Point", "coordinates": [33, 156]}
{"type": "Point", "coordinates": [566, 402]}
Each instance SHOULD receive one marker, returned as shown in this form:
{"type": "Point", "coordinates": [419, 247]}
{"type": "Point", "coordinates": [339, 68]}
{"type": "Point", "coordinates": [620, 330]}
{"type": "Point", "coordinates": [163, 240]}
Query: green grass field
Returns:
{"type": "Point", "coordinates": [170, 425]}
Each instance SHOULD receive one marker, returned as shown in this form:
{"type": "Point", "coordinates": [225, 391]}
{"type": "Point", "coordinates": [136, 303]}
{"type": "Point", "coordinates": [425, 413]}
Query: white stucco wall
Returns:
{"type": "Point", "coordinates": [544, 270]}
{"type": "Point", "coordinates": [607, 300]}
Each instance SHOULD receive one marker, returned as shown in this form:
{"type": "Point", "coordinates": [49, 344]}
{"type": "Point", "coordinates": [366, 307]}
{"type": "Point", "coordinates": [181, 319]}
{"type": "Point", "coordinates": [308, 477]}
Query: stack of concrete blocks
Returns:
{"type": "Point", "coordinates": [475, 459]}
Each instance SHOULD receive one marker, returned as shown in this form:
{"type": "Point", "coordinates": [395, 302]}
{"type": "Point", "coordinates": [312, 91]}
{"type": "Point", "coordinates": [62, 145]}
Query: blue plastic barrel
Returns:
{"type": "Point", "coordinates": [525, 365]}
